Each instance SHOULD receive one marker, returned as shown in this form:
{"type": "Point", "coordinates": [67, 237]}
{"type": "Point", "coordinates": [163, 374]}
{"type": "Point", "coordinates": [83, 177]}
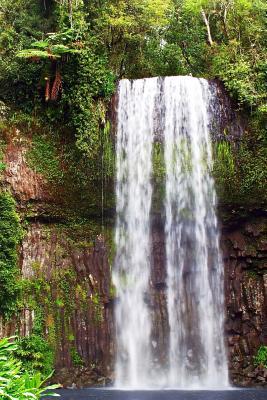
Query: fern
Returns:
{"type": "Point", "coordinates": [35, 53]}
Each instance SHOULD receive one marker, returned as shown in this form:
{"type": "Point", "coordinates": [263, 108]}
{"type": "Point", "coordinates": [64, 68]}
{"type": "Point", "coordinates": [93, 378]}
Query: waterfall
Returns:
{"type": "Point", "coordinates": [132, 265]}
{"type": "Point", "coordinates": [197, 354]}
{"type": "Point", "coordinates": [178, 109]}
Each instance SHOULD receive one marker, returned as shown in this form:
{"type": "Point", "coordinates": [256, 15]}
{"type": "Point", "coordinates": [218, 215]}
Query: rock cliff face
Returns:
{"type": "Point", "coordinates": [27, 185]}
{"type": "Point", "coordinates": [77, 284]}
{"type": "Point", "coordinates": [244, 244]}
{"type": "Point", "coordinates": [67, 267]}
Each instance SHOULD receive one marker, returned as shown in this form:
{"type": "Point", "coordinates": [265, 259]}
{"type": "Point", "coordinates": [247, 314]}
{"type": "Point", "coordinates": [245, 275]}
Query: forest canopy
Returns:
{"type": "Point", "coordinates": [60, 59]}
{"type": "Point", "coordinates": [224, 39]}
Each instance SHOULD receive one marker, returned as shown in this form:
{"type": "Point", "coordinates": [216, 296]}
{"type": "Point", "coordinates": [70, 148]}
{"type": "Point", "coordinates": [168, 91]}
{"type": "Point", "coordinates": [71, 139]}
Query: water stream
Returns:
{"type": "Point", "coordinates": [194, 266]}
{"type": "Point", "coordinates": [134, 192]}
{"type": "Point", "coordinates": [177, 108]}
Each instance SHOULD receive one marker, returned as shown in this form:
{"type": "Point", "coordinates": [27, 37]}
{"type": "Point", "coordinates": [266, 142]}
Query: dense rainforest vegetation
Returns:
{"type": "Point", "coordinates": [60, 61]}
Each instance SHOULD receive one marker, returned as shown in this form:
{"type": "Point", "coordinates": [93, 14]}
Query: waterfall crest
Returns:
{"type": "Point", "coordinates": [177, 108]}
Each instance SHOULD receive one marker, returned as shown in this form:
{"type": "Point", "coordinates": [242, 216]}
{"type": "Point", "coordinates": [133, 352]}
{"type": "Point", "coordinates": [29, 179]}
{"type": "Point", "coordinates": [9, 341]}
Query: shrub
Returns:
{"type": "Point", "coordinates": [10, 236]}
{"type": "Point", "coordinates": [15, 384]}
{"type": "Point", "coordinates": [261, 356]}
{"type": "Point", "coordinates": [35, 354]}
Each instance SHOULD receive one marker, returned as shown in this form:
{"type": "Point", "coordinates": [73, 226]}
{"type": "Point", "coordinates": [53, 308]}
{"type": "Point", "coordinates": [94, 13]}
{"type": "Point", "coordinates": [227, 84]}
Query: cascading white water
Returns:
{"type": "Point", "coordinates": [177, 107]}
{"type": "Point", "coordinates": [132, 265]}
{"type": "Point", "coordinates": [197, 354]}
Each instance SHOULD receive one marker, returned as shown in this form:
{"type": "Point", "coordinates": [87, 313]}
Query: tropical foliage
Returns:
{"type": "Point", "coordinates": [137, 38]}
{"type": "Point", "coordinates": [10, 236]}
{"type": "Point", "coordinates": [15, 383]}
{"type": "Point", "coordinates": [261, 356]}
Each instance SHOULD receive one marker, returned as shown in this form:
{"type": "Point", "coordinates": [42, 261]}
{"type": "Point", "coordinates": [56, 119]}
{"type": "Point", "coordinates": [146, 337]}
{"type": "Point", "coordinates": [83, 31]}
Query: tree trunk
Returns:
{"type": "Point", "coordinates": [70, 12]}
{"type": "Point", "coordinates": [206, 21]}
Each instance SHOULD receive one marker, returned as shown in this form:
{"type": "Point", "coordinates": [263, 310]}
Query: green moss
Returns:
{"type": "Point", "coordinates": [112, 291]}
{"type": "Point", "coordinates": [81, 182]}
{"type": "Point", "coordinates": [37, 297]}
{"type": "Point", "coordinates": [2, 164]}
{"type": "Point", "coordinates": [98, 309]}
{"type": "Point", "coordinates": [108, 152]}
{"type": "Point", "coordinates": [224, 169]}
{"type": "Point", "coordinates": [76, 359]}
{"type": "Point", "coordinates": [158, 161]}
{"type": "Point", "coordinates": [239, 171]}
{"type": "Point", "coordinates": [159, 172]}
{"type": "Point", "coordinates": [43, 158]}
{"type": "Point", "coordinates": [36, 267]}
{"type": "Point", "coordinates": [252, 274]}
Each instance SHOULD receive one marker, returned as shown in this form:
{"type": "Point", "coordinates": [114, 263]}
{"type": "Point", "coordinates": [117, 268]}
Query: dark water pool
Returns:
{"type": "Point", "coordinates": [107, 394]}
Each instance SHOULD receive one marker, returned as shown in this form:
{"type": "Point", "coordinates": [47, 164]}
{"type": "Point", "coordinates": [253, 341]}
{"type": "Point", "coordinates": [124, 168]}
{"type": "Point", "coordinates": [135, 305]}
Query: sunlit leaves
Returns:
{"type": "Point", "coordinates": [139, 14]}
{"type": "Point", "coordinates": [16, 384]}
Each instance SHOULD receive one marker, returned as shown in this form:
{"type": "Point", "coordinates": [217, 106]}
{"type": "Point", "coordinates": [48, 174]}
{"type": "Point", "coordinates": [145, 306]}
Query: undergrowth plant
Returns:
{"type": "Point", "coordinates": [15, 383]}
{"type": "Point", "coordinates": [261, 357]}
{"type": "Point", "coordinates": [10, 236]}
{"type": "Point", "coordinates": [35, 353]}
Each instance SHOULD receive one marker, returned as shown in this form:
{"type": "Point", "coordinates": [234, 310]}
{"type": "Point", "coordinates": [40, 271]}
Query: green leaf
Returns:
{"type": "Point", "coordinates": [32, 53]}
{"type": "Point", "coordinates": [42, 44]}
